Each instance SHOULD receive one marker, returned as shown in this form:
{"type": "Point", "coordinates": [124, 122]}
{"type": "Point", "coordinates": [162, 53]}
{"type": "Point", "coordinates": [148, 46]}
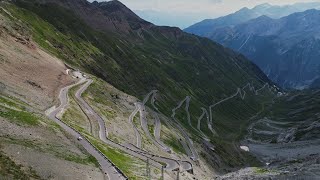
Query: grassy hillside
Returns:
{"type": "Point", "coordinates": [138, 57]}
{"type": "Point", "coordinates": [289, 119]}
{"type": "Point", "coordinates": [28, 141]}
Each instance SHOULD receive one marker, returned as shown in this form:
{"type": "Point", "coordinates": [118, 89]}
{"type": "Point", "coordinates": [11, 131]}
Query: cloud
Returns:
{"type": "Point", "coordinates": [216, 1]}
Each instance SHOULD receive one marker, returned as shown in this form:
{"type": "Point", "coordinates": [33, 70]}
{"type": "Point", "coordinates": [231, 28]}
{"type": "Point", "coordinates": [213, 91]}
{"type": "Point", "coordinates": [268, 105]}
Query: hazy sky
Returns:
{"type": "Point", "coordinates": [186, 12]}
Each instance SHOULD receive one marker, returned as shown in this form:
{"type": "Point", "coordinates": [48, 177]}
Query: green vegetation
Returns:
{"type": "Point", "coordinates": [88, 160]}
{"type": "Point", "coordinates": [99, 94]}
{"type": "Point", "coordinates": [49, 38]}
{"type": "Point", "coordinates": [55, 150]}
{"type": "Point", "coordinates": [290, 112]}
{"type": "Point", "coordinates": [128, 164]}
{"type": "Point", "coordinates": [132, 167]}
{"type": "Point", "coordinates": [74, 115]}
{"type": "Point", "coordinates": [151, 128]}
{"type": "Point", "coordinates": [11, 102]}
{"type": "Point", "coordinates": [16, 113]}
{"type": "Point", "coordinates": [236, 113]}
{"type": "Point", "coordinates": [138, 61]}
{"type": "Point", "coordinates": [173, 73]}
{"type": "Point", "coordinates": [175, 145]}
{"type": "Point", "coordinates": [231, 157]}
{"type": "Point", "coordinates": [264, 171]}
{"type": "Point", "coordinates": [19, 117]}
{"type": "Point", "coordinates": [261, 170]}
{"type": "Point", "coordinates": [11, 170]}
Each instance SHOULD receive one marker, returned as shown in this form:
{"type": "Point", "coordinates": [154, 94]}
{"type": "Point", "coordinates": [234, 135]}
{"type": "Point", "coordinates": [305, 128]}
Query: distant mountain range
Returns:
{"type": "Point", "coordinates": [109, 41]}
{"type": "Point", "coordinates": [286, 49]}
{"type": "Point", "coordinates": [206, 27]}
{"type": "Point", "coordinates": [181, 20]}
{"type": "Point", "coordinates": [201, 106]}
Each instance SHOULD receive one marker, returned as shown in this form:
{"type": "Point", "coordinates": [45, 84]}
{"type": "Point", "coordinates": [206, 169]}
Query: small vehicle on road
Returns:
{"type": "Point", "coordinates": [79, 138]}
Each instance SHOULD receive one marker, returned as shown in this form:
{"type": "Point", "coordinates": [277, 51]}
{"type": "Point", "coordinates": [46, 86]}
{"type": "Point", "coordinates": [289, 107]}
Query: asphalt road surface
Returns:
{"type": "Point", "coordinates": [108, 169]}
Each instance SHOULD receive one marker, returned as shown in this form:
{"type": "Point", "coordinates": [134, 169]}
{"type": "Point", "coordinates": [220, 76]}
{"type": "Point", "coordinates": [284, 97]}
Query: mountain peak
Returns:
{"type": "Point", "coordinates": [114, 3]}
{"type": "Point", "coordinates": [115, 16]}
{"type": "Point", "coordinates": [114, 6]}
{"type": "Point", "coordinates": [308, 13]}
{"type": "Point", "coordinates": [263, 6]}
{"type": "Point", "coordinates": [263, 18]}
{"type": "Point", "coordinates": [104, 16]}
{"type": "Point", "coordinates": [121, 13]}
{"type": "Point", "coordinates": [244, 9]}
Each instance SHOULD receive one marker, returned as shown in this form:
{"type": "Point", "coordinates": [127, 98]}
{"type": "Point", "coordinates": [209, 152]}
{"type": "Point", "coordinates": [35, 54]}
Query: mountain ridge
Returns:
{"type": "Point", "coordinates": [126, 58]}
{"type": "Point", "coordinates": [200, 104]}
{"type": "Point", "coordinates": [206, 27]}
{"type": "Point", "coordinates": [287, 39]}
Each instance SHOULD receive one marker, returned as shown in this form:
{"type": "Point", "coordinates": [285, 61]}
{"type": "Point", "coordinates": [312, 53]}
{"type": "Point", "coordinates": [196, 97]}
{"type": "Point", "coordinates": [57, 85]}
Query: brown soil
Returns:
{"type": "Point", "coordinates": [30, 73]}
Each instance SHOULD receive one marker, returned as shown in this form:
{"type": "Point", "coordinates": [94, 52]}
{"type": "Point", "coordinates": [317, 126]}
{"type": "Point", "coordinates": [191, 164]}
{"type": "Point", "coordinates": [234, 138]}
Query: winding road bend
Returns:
{"type": "Point", "coordinates": [157, 130]}
{"type": "Point", "coordinates": [189, 120]}
{"type": "Point", "coordinates": [184, 165]}
{"type": "Point", "coordinates": [154, 160]}
{"type": "Point", "coordinates": [135, 128]}
{"type": "Point", "coordinates": [144, 124]}
{"type": "Point", "coordinates": [107, 167]}
{"type": "Point", "coordinates": [103, 133]}
{"type": "Point", "coordinates": [194, 153]}
{"type": "Point", "coordinates": [242, 94]}
{"type": "Point", "coordinates": [204, 112]}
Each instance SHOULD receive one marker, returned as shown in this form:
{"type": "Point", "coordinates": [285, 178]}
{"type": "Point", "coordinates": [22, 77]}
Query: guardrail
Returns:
{"type": "Point", "coordinates": [140, 153]}
{"type": "Point", "coordinates": [145, 152]}
{"type": "Point", "coordinates": [113, 165]}
{"type": "Point", "coordinates": [177, 161]}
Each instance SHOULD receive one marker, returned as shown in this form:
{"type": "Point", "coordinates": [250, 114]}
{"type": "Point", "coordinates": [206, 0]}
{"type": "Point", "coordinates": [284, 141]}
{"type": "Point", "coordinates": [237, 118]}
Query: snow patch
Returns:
{"type": "Point", "coordinates": [245, 148]}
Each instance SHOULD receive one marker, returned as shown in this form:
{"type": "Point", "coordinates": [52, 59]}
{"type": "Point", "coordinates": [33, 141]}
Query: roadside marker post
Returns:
{"type": "Point", "coordinates": [178, 174]}
{"type": "Point", "coordinates": [162, 173]}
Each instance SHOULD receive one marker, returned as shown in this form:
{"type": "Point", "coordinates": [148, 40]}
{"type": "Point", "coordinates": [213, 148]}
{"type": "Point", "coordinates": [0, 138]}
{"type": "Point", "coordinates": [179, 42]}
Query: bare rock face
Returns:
{"type": "Point", "coordinates": [27, 42]}
{"type": "Point", "coordinates": [27, 71]}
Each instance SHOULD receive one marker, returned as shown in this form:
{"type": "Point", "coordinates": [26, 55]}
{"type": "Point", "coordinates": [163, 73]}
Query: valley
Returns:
{"type": "Point", "coordinates": [102, 94]}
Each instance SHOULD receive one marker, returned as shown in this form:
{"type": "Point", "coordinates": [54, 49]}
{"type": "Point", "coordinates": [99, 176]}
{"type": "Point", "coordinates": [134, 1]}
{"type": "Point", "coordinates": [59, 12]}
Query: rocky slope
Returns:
{"type": "Point", "coordinates": [31, 145]}
{"type": "Point", "coordinates": [286, 136]}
